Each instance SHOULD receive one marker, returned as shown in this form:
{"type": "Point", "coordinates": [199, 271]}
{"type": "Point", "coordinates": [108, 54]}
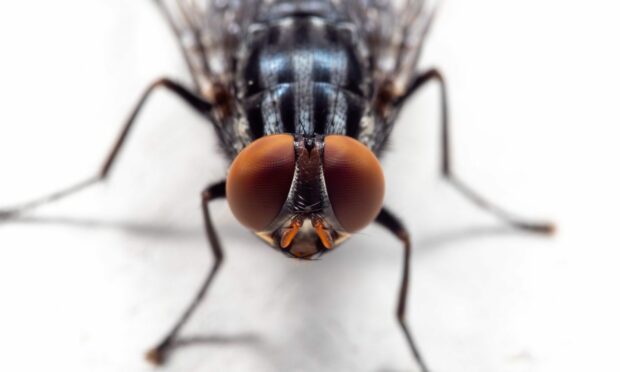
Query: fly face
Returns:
{"type": "Point", "coordinates": [304, 195]}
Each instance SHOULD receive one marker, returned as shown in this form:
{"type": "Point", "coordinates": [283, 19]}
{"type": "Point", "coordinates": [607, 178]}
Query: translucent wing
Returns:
{"type": "Point", "coordinates": [209, 32]}
{"type": "Point", "coordinates": [395, 33]}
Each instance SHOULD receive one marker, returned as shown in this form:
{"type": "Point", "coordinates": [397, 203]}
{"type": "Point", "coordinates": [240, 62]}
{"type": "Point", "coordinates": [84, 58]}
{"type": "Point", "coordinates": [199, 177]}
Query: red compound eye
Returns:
{"type": "Point", "coordinates": [259, 180]}
{"type": "Point", "coordinates": [354, 180]}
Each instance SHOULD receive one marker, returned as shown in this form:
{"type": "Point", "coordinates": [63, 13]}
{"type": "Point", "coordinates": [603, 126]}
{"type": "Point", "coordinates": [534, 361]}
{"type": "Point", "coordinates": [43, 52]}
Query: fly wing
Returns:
{"type": "Point", "coordinates": [395, 32]}
{"type": "Point", "coordinates": [209, 33]}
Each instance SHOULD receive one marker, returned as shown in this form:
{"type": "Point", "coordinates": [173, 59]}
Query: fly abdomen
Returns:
{"type": "Point", "coordinates": [303, 74]}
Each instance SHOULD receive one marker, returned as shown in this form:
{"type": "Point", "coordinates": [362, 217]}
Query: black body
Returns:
{"type": "Point", "coordinates": [306, 67]}
{"type": "Point", "coordinates": [302, 74]}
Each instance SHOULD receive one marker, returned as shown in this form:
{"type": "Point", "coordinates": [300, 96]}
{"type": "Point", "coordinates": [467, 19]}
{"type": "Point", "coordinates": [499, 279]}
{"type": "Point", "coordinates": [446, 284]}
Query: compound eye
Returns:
{"type": "Point", "coordinates": [354, 180]}
{"type": "Point", "coordinates": [259, 180]}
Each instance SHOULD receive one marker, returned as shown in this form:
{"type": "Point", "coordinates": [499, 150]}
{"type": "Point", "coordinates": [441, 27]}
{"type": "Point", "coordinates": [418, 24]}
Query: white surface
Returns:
{"type": "Point", "coordinates": [88, 284]}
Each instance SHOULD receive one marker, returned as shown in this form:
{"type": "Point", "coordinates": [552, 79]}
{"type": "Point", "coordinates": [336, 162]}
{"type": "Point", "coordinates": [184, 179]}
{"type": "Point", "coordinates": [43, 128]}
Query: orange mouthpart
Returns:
{"type": "Point", "coordinates": [289, 234]}
{"type": "Point", "coordinates": [323, 233]}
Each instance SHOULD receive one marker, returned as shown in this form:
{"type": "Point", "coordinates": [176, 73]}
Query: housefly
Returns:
{"type": "Point", "coordinates": [302, 96]}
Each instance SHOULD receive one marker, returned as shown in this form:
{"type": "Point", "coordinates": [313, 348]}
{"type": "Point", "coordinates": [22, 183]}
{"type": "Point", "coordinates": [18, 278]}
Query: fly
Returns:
{"type": "Point", "coordinates": [303, 96]}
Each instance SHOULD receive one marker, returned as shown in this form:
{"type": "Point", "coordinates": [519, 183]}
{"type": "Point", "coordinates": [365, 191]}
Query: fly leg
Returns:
{"type": "Point", "coordinates": [390, 222]}
{"type": "Point", "coordinates": [158, 354]}
{"type": "Point", "coordinates": [193, 100]}
{"type": "Point", "coordinates": [446, 163]}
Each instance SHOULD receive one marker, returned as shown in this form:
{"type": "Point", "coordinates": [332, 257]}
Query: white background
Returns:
{"type": "Point", "coordinates": [90, 283]}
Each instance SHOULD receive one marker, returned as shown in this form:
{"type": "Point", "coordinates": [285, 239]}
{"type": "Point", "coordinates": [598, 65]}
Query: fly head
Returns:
{"type": "Point", "coordinates": [303, 194]}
